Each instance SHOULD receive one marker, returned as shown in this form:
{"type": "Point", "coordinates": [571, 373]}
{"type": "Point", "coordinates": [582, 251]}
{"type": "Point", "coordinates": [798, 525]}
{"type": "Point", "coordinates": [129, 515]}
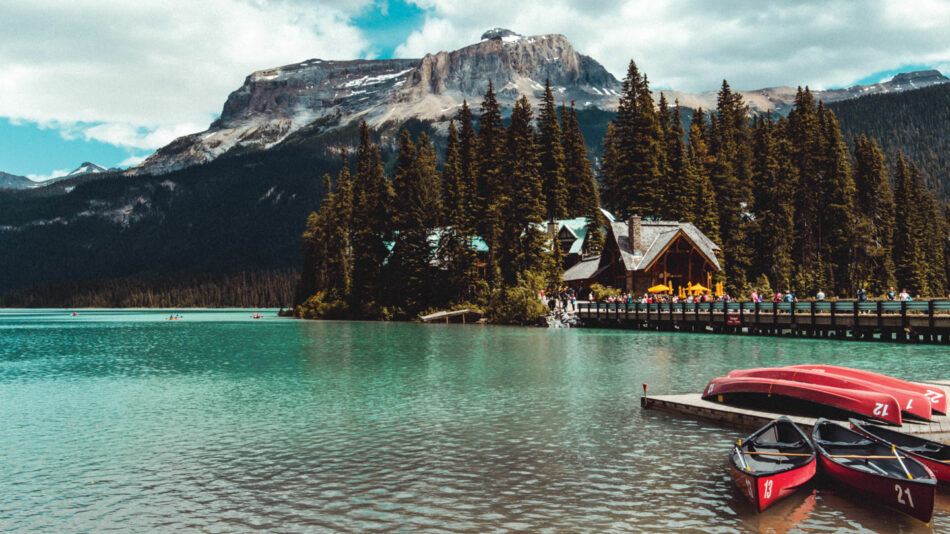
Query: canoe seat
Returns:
{"type": "Point", "coordinates": [853, 444]}
{"type": "Point", "coordinates": [778, 444]}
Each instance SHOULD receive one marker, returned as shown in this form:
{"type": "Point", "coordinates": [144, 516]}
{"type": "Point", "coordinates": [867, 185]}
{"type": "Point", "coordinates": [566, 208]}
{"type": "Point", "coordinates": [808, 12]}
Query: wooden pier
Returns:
{"type": "Point", "coordinates": [472, 316]}
{"type": "Point", "coordinates": [694, 407]}
{"type": "Point", "coordinates": [925, 321]}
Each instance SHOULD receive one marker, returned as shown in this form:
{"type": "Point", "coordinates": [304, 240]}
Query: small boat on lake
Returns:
{"type": "Point", "coordinates": [936, 395]}
{"type": "Point", "coordinates": [875, 469]}
{"type": "Point", "coordinates": [911, 403]}
{"type": "Point", "coordinates": [758, 392]}
{"type": "Point", "coordinates": [935, 455]}
{"type": "Point", "coordinates": [772, 463]}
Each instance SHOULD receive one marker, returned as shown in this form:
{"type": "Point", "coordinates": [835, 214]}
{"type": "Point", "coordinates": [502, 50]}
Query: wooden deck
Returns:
{"type": "Point", "coordinates": [471, 315]}
{"type": "Point", "coordinates": [909, 322]}
{"type": "Point", "coordinates": [694, 407]}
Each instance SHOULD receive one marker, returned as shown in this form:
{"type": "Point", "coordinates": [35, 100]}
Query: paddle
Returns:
{"type": "Point", "coordinates": [762, 453]}
{"type": "Point", "coordinates": [739, 457]}
{"type": "Point", "coordinates": [894, 450]}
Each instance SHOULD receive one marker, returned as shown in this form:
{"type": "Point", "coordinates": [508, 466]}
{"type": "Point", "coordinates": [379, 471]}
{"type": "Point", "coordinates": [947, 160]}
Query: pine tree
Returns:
{"type": "Point", "coordinates": [583, 197]}
{"type": "Point", "coordinates": [371, 222]}
{"type": "Point", "coordinates": [551, 155]}
{"type": "Point", "coordinates": [492, 189]}
{"type": "Point", "coordinates": [633, 175]}
{"type": "Point", "coordinates": [875, 200]}
{"type": "Point", "coordinates": [838, 216]}
{"type": "Point", "coordinates": [455, 247]}
{"type": "Point", "coordinates": [417, 186]}
{"type": "Point", "coordinates": [703, 210]}
{"type": "Point", "coordinates": [468, 166]}
{"type": "Point", "coordinates": [731, 179]}
{"type": "Point", "coordinates": [909, 250]}
{"type": "Point", "coordinates": [774, 207]}
{"type": "Point", "coordinates": [339, 236]}
{"type": "Point", "coordinates": [678, 170]}
{"type": "Point", "coordinates": [522, 246]}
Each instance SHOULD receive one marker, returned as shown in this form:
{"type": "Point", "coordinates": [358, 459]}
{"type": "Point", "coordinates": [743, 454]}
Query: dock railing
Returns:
{"type": "Point", "coordinates": [873, 319]}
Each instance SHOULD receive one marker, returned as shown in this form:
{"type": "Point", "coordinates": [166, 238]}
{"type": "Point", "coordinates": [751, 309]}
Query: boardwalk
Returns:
{"type": "Point", "coordinates": [914, 322]}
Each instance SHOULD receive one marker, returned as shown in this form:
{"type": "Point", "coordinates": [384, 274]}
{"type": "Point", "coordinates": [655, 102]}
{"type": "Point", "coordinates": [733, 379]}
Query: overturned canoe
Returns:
{"type": "Point", "coordinates": [869, 404]}
{"type": "Point", "coordinates": [874, 469]}
{"type": "Point", "coordinates": [911, 403]}
{"type": "Point", "coordinates": [936, 395]}
{"type": "Point", "coordinates": [772, 463]}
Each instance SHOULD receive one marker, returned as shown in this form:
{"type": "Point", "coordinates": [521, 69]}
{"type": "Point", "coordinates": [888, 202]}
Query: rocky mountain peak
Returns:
{"type": "Point", "coordinates": [501, 33]}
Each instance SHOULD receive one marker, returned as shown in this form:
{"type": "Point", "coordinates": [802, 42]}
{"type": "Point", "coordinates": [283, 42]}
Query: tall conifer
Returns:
{"type": "Point", "coordinates": [551, 155]}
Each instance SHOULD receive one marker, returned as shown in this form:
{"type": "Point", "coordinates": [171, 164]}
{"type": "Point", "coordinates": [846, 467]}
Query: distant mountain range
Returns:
{"type": "Point", "coordinates": [11, 181]}
{"type": "Point", "coordinates": [316, 97]}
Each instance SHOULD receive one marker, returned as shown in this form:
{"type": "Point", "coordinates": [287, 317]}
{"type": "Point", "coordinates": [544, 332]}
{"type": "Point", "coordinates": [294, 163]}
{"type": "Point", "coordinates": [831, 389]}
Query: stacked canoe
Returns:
{"type": "Point", "coordinates": [896, 469]}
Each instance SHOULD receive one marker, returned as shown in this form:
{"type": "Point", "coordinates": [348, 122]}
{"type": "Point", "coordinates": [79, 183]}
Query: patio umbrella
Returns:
{"type": "Point", "coordinates": [658, 289]}
{"type": "Point", "coordinates": [698, 287]}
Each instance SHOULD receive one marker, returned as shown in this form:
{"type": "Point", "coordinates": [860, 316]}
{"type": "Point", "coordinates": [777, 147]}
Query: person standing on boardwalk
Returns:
{"type": "Point", "coordinates": [820, 296]}
{"type": "Point", "coordinates": [862, 295]}
{"type": "Point", "coordinates": [891, 294]}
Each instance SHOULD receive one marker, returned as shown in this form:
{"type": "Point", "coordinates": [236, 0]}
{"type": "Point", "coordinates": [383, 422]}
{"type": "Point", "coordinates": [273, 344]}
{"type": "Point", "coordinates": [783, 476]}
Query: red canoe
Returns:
{"type": "Point", "coordinates": [773, 462]}
{"type": "Point", "coordinates": [870, 404]}
{"type": "Point", "coordinates": [938, 399]}
{"type": "Point", "coordinates": [875, 470]}
{"type": "Point", "coordinates": [911, 402]}
{"type": "Point", "coordinates": [930, 453]}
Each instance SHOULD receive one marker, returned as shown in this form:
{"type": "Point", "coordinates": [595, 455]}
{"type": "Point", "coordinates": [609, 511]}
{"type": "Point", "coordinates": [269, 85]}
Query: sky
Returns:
{"type": "Point", "coordinates": [110, 81]}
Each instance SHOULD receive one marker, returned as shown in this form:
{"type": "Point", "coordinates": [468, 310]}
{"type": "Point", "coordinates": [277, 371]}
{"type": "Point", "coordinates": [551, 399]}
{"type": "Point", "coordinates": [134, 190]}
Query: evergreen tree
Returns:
{"type": "Point", "coordinates": [838, 215]}
{"type": "Point", "coordinates": [582, 194]}
{"type": "Point", "coordinates": [677, 167]}
{"type": "Point", "coordinates": [633, 177]}
{"type": "Point", "coordinates": [455, 247]}
{"type": "Point", "coordinates": [774, 206]}
{"type": "Point", "coordinates": [417, 186]}
{"type": "Point", "coordinates": [492, 189]}
{"type": "Point", "coordinates": [702, 208]}
{"type": "Point", "coordinates": [731, 179]}
{"type": "Point", "coordinates": [874, 263]}
{"type": "Point", "coordinates": [522, 246]}
{"type": "Point", "coordinates": [371, 222]}
{"type": "Point", "coordinates": [468, 167]}
{"type": "Point", "coordinates": [339, 236]}
{"type": "Point", "coordinates": [910, 254]}
{"type": "Point", "coordinates": [551, 154]}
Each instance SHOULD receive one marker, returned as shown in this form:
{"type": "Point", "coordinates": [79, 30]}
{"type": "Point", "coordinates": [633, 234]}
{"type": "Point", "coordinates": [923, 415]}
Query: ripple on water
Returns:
{"type": "Point", "coordinates": [221, 424]}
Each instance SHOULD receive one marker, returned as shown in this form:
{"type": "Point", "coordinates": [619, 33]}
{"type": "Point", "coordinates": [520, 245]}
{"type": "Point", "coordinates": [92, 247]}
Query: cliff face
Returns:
{"type": "Point", "coordinates": [272, 104]}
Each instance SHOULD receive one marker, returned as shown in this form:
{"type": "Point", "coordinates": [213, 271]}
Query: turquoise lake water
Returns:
{"type": "Point", "coordinates": [126, 421]}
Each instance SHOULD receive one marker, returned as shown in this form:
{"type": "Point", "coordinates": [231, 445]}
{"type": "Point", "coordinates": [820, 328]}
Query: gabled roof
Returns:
{"type": "Point", "coordinates": [585, 269]}
{"type": "Point", "coordinates": [655, 237]}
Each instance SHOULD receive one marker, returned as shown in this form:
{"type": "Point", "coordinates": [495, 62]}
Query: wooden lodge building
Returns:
{"type": "Point", "coordinates": [640, 254]}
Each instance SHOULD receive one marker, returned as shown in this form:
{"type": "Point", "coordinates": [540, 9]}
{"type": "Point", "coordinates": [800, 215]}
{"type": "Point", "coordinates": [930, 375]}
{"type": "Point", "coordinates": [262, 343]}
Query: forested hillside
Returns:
{"type": "Point", "coordinates": [916, 123]}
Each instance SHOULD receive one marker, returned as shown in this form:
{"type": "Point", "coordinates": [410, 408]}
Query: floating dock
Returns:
{"type": "Point", "coordinates": [693, 406]}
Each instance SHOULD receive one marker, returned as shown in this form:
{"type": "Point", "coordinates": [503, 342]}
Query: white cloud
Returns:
{"type": "Point", "coordinates": [693, 45]}
{"type": "Point", "coordinates": [50, 176]}
{"type": "Point", "coordinates": [137, 74]}
{"type": "Point", "coordinates": [131, 161]}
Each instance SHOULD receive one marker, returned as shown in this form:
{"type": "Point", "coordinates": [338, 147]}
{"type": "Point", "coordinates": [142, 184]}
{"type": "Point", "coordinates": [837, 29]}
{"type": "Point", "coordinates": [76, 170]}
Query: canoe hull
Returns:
{"type": "Point", "coordinates": [764, 491]}
{"type": "Point", "coordinates": [938, 398]}
{"type": "Point", "coordinates": [914, 499]}
{"type": "Point", "coordinates": [873, 405]}
{"type": "Point", "coordinates": [911, 402]}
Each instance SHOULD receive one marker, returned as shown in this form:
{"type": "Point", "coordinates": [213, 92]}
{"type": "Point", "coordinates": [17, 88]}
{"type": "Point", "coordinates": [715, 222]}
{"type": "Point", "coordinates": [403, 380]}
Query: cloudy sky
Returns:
{"type": "Point", "coordinates": [112, 80]}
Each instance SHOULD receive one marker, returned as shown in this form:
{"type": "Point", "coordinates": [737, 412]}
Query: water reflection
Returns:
{"type": "Point", "coordinates": [222, 423]}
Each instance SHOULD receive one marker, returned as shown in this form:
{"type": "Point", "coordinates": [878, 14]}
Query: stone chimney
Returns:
{"type": "Point", "coordinates": [553, 228]}
{"type": "Point", "coordinates": [634, 230]}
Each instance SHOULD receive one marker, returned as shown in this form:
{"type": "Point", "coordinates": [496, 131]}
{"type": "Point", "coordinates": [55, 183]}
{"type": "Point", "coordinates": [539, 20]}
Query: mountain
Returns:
{"type": "Point", "coordinates": [12, 181]}
{"type": "Point", "coordinates": [322, 95]}
{"type": "Point", "coordinates": [314, 98]}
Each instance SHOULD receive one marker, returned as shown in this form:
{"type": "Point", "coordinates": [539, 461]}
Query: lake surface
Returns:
{"type": "Point", "coordinates": [126, 421]}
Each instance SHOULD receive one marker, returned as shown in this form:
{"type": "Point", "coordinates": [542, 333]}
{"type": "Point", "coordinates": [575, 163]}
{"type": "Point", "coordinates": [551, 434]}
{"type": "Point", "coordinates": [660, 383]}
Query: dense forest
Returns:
{"type": "Point", "coordinates": [791, 206]}
{"type": "Point", "coordinates": [265, 289]}
{"type": "Point", "coordinates": [915, 123]}
{"type": "Point", "coordinates": [394, 246]}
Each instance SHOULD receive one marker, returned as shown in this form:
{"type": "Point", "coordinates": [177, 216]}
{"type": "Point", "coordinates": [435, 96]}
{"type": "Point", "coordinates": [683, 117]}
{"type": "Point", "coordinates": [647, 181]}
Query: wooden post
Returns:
{"type": "Point", "coordinates": [834, 323]}
{"type": "Point", "coordinates": [758, 325]}
{"type": "Point", "coordinates": [854, 332]}
{"type": "Point", "coordinates": [903, 334]}
{"type": "Point", "coordinates": [930, 322]}
{"type": "Point", "coordinates": [880, 320]}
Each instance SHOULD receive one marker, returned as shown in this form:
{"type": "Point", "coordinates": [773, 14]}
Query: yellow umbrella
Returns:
{"type": "Point", "coordinates": [658, 289]}
{"type": "Point", "coordinates": [698, 287]}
